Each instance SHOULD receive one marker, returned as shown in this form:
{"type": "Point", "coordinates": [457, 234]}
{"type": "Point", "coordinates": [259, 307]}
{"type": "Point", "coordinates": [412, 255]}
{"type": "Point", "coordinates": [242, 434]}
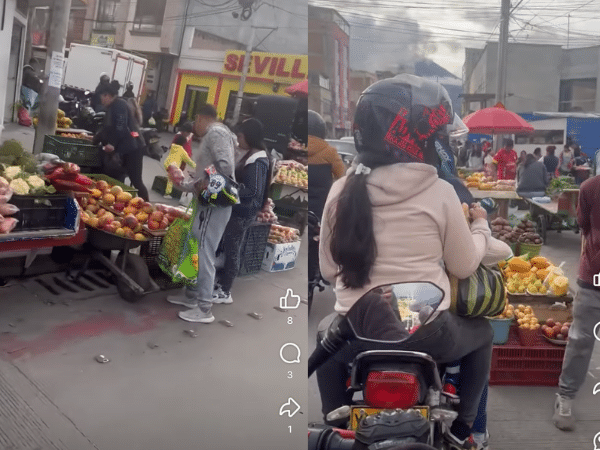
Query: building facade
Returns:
{"type": "Point", "coordinates": [328, 51]}
{"type": "Point", "coordinates": [545, 78]}
{"type": "Point", "coordinates": [268, 74]}
{"type": "Point", "coordinates": [359, 81]}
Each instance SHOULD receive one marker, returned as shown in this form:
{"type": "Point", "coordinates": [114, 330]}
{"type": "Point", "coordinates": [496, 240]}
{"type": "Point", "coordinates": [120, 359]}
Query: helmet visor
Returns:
{"type": "Point", "coordinates": [457, 129]}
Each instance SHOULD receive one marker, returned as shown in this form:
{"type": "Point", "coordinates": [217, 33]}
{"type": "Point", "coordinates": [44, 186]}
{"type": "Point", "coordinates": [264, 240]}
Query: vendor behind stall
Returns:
{"type": "Point", "coordinates": [506, 160]}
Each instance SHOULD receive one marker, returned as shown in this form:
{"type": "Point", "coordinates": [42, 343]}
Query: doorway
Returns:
{"type": "Point", "coordinates": [12, 90]}
{"type": "Point", "coordinates": [195, 97]}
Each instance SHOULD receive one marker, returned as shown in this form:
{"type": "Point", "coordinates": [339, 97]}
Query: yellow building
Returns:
{"type": "Point", "coordinates": [269, 73]}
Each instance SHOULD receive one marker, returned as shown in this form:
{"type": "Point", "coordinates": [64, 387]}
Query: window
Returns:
{"type": "Point", "coordinates": [149, 15]}
{"type": "Point", "coordinates": [106, 16]}
{"type": "Point", "coordinates": [541, 137]}
{"type": "Point", "coordinates": [323, 82]}
{"type": "Point", "coordinates": [247, 104]}
{"type": "Point", "coordinates": [577, 95]}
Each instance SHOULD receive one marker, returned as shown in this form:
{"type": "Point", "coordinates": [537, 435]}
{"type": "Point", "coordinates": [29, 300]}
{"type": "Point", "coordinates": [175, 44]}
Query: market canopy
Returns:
{"type": "Point", "coordinates": [298, 89]}
{"type": "Point", "coordinates": [496, 120]}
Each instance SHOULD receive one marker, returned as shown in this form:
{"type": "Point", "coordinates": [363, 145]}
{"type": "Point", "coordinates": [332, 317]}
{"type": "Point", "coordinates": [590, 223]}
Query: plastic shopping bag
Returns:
{"type": "Point", "coordinates": [178, 254]}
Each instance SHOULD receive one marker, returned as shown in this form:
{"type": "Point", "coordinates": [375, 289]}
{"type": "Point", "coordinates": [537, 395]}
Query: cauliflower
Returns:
{"type": "Point", "coordinates": [35, 181]}
{"type": "Point", "coordinates": [12, 172]}
{"type": "Point", "coordinates": [20, 186]}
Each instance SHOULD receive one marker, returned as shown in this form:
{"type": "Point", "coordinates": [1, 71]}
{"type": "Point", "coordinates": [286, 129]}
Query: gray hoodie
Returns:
{"type": "Point", "coordinates": [218, 148]}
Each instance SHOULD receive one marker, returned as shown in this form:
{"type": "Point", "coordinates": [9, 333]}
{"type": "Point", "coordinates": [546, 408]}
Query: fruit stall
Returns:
{"type": "Point", "coordinates": [289, 192]}
{"type": "Point", "coordinates": [480, 186]}
{"type": "Point", "coordinates": [531, 333]}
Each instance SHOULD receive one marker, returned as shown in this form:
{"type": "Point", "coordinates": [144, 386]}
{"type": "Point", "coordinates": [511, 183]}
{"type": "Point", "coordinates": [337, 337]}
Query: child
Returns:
{"type": "Point", "coordinates": [186, 130]}
{"type": "Point", "coordinates": [177, 155]}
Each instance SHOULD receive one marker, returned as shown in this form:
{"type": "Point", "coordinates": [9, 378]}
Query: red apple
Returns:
{"type": "Point", "coordinates": [153, 224]}
{"type": "Point", "coordinates": [157, 216]}
{"type": "Point", "coordinates": [564, 331]}
{"type": "Point", "coordinates": [130, 221]}
{"type": "Point", "coordinates": [550, 322]}
{"type": "Point", "coordinates": [548, 332]}
{"type": "Point", "coordinates": [170, 218]}
{"type": "Point", "coordinates": [556, 330]}
{"type": "Point", "coordinates": [147, 207]}
{"type": "Point", "coordinates": [119, 206]}
{"type": "Point", "coordinates": [164, 224]}
{"type": "Point", "coordinates": [558, 324]}
{"type": "Point", "coordinates": [560, 337]}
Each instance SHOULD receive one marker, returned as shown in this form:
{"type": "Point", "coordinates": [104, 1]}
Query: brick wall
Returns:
{"type": "Point", "coordinates": [76, 25]}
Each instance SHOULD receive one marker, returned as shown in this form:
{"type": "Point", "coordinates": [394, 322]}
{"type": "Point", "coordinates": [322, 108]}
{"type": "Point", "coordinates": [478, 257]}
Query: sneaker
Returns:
{"type": "Point", "coordinates": [220, 296]}
{"type": "Point", "coordinates": [481, 440]}
{"type": "Point", "coordinates": [196, 315]}
{"type": "Point", "coordinates": [182, 300]}
{"type": "Point", "coordinates": [453, 443]}
{"type": "Point", "coordinates": [563, 415]}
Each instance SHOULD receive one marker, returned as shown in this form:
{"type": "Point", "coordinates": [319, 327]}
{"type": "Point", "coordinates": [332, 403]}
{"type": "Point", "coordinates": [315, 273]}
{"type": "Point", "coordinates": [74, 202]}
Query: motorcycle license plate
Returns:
{"type": "Point", "coordinates": [359, 411]}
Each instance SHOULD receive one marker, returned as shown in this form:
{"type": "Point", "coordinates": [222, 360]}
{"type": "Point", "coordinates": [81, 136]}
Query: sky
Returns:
{"type": "Point", "coordinates": [290, 17]}
{"type": "Point", "coordinates": [387, 33]}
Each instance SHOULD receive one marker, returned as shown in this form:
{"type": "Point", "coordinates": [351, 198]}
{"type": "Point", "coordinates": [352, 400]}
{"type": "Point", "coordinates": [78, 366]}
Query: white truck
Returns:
{"type": "Point", "coordinates": [85, 63]}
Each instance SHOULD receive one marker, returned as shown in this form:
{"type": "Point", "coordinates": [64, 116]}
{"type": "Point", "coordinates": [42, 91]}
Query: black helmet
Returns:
{"type": "Point", "coordinates": [316, 125]}
{"type": "Point", "coordinates": [129, 85]}
{"type": "Point", "coordinates": [396, 118]}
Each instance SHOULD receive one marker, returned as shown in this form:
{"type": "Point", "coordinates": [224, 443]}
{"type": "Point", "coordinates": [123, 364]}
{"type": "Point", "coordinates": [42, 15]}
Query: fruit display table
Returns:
{"type": "Point", "coordinates": [502, 197]}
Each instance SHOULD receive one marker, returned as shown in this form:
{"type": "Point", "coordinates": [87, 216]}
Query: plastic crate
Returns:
{"type": "Point", "coordinates": [45, 212]}
{"type": "Point", "coordinates": [501, 329]}
{"type": "Point", "coordinates": [515, 365]}
{"type": "Point", "coordinates": [78, 151]}
{"type": "Point", "coordinates": [253, 248]}
{"type": "Point", "coordinates": [100, 176]}
{"type": "Point", "coordinates": [150, 248]}
{"type": "Point", "coordinates": [160, 185]}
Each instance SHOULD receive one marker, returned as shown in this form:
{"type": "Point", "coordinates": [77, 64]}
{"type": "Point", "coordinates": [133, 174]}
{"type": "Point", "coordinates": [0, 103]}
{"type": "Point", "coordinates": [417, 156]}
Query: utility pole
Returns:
{"type": "Point", "coordinates": [247, 58]}
{"type": "Point", "coordinates": [568, 28]}
{"type": "Point", "coordinates": [53, 77]}
{"type": "Point", "coordinates": [502, 60]}
{"type": "Point", "coordinates": [502, 53]}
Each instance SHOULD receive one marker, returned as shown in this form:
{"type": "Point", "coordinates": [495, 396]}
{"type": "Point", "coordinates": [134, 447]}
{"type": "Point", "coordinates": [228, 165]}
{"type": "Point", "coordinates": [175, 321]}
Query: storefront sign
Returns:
{"type": "Point", "coordinates": [103, 40]}
{"type": "Point", "coordinates": [267, 65]}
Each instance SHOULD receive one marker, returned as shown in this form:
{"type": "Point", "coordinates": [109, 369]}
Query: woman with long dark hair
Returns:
{"type": "Point", "coordinates": [394, 220]}
{"type": "Point", "coordinates": [120, 137]}
{"type": "Point", "coordinates": [253, 170]}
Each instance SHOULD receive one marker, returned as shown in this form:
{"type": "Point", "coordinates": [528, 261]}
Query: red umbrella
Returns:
{"type": "Point", "coordinates": [298, 89]}
{"type": "Point", "coordinates": [496, 120]}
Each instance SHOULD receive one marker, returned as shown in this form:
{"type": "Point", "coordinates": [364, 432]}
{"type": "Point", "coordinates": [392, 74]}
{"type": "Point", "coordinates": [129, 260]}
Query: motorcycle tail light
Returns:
{"type": "Point", "coordinates": [391, 390]}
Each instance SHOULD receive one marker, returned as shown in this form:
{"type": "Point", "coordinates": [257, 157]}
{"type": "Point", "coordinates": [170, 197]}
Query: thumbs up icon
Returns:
{"type": "Point", "coordinates": [290, 301]}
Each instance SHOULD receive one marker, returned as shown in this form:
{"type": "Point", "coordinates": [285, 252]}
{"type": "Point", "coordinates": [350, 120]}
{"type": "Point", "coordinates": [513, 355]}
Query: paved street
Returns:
{"type": "Point", "coordinates": [518, 417]}
{"type": "Point", "coordinates": [163, 388]}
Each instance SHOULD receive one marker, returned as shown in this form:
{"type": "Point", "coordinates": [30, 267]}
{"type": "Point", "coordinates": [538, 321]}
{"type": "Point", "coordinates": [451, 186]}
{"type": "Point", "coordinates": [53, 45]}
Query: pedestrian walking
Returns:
{"type": "Point", "coordinates": [216, 149]}
{"type": "Point", "coordinates": [586, 307]}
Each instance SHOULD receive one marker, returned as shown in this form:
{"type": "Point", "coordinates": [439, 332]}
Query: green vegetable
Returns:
{"type": "Point", "coordinates": [12, 148]}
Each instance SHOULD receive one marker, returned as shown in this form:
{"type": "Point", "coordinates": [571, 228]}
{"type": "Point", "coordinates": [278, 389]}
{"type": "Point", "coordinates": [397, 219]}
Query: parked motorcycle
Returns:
{"type": "Point", "coordinates": [402, 402]}
{"type": "Point", "coordinates": [152, 148]}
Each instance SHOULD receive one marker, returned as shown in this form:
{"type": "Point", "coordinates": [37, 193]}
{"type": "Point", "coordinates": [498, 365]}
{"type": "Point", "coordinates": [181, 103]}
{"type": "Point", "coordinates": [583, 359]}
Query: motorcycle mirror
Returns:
{"type": "Point", "coordinates": [389, 314]}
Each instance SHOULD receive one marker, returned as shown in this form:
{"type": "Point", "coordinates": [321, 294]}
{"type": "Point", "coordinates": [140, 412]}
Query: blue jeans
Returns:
{"type": "Point", "coordinates": [480, 423]}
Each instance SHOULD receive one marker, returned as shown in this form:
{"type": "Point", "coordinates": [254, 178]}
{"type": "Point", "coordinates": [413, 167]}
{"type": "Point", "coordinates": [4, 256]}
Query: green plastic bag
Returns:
{"type": "Point", "coordinates": [178, 254]}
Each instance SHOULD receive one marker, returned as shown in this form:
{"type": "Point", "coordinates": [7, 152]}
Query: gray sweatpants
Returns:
{"type": "Point", "coordinates": [586, 314]}
{"type": "Point", "coordinates": [209, 226]}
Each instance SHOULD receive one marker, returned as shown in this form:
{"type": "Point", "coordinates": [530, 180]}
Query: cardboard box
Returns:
{"type": "Point", "coordinates": [279, 257]}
